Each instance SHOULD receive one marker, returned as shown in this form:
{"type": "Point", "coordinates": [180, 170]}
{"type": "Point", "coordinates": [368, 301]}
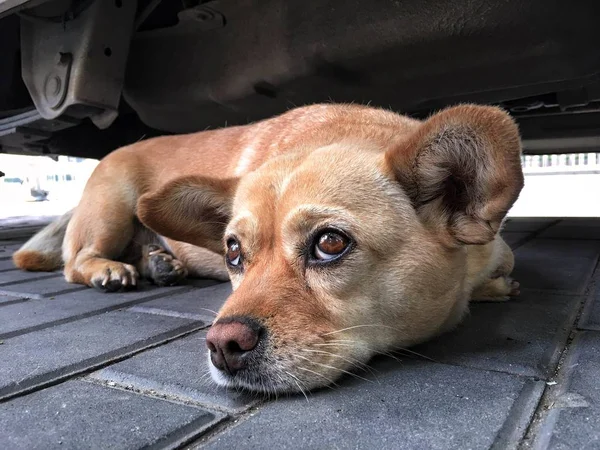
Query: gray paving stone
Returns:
{"type": "Point", "coordinates": [20, 233]}
{"type": "Point", "coordinates": [19, 222]}
{"type": "Point", "coordinates": [44, 288]}
{"type": "Point", "coordinates": [590, 317]}
{"type": "Point", "coordinates": [574, 420]}
{"type": "Point", "coordinates": [201, 282]}
{"type": "Point", "coordinates": [514, 239]}
{"type": "Point", "coordinates": [198, 304]}
{"type": "Point", "coordinates": [179, 370]}
{"type": "Point", "coordinates": [413, 405]}
{"type": "Point", "coordinates": [57, 352]}
{"type": "Point", "coordinates": [19, 276]}
{"type": "Point", "coordinates": [7, 248]}
{"type": "Point", "coordinates": [30, 316]}
{"type": "Point", "coordinates": [6, 264]}
{"type": "Point", "coordinates": [562, 266]}
{"type": "Point", "coordinates": [525, 224]}
{"type": "Point", "coordinates": [78, 415]}
{"type": "Point", "coordinates": [523, 336]}
{"type": "Point", "coordinates": [8, 299]}
{"type": "Point", "coordinates": [54, 284]}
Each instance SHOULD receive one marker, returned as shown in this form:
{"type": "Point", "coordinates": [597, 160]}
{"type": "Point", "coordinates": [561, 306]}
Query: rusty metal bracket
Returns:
{"type": "Point", "coordinates": [77, 66]}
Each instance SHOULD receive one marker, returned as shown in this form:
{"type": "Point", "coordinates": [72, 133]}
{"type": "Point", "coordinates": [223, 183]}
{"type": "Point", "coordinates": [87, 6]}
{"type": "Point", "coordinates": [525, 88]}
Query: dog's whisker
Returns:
{"type": "Point", "coordinates": [352, 361]}
{"type": "Point", "coordinates": [301, 390]}
{"type": "Point", "coordinates": [388, 355]}
{"type": "Point", "coordinates": [351, 343]}
{"type": "Point", "coordinates": [209, 310]}
{"type": "Point", "coordinates": [320, 375]}
{"type": "Point", "coordinates": [412, 352]}
{"type": "Point", "coordinates": [205, 378]}
{"type": "Point", "coordinates": [343, 344]}
{"type": "Point", "coordinates": [343, 371]}
{"type": "Point", "coordinates": [297, 381]}
{"type": "Point", "coordinates": [333, 344]}
{"type": "Point", "coordinates": [398, 349]}
{"type": "Point", "coordinates": [282, 382]}
{"type": "Point", "coordinates": [378, 325]}
{"type": "Point", "coordinates": [333, 368]}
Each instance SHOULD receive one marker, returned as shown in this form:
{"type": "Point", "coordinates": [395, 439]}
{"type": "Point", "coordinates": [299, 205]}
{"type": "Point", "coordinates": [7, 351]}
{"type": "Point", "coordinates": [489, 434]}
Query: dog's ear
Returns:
{"type": "Point", "coordinates": [191, 209]}
{"type": "Point", "coordinates": [462, 171]}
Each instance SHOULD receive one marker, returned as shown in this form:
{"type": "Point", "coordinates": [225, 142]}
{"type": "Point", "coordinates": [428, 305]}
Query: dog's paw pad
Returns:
{"type": "Point", "coordinates": [164, 269]}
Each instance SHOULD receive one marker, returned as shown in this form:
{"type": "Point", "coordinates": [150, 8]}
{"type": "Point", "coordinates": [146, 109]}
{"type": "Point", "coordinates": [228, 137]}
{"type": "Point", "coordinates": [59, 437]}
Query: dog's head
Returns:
{"type": "Point", "coordinates": [349, 250]}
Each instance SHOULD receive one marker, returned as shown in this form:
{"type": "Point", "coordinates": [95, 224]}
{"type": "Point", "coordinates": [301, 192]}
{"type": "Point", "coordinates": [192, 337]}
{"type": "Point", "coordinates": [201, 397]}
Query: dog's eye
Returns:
{"type": "Point", "coordinates": [329, 245]}
{"type": "Point", "coordinates": [234, 253]}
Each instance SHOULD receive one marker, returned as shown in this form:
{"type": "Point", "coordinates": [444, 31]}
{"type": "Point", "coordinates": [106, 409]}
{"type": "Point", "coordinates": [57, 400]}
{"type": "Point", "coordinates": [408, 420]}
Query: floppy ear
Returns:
{"type": "Point", "coordinates": [191, 209]}
{"type": "Point", "coordinates": [462, 171]}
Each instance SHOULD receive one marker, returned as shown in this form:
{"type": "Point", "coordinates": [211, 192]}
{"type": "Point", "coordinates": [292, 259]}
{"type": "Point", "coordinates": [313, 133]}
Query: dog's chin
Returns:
{"type": "Point", "coordinates": [263, 380]}
{"type": "Point", "coordinates": [260, 383]}
{"type": "Point", "coordinates": [218, 376]}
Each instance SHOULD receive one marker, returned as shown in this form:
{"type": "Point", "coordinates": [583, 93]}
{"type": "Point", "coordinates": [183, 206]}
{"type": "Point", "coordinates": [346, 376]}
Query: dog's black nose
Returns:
{"type": "Point", "coordinates": [231, 340]}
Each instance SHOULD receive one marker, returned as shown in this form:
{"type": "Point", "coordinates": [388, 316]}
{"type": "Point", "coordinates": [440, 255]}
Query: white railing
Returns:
{"type": "Point", "coordinates": [571, 163]}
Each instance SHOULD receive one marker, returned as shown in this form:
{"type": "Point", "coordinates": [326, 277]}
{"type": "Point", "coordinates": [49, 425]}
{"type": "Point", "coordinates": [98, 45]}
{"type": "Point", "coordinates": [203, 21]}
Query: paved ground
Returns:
{"type": "Point", "coordinates": [81, 369]}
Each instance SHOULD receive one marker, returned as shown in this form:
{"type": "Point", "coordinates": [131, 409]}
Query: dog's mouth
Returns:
{"type": "Point", "coordinates": [272, 366]}
{"type": "Point", "coordinates": [264, 377]}
{"type": "Point", "coordinates": [278, 375]}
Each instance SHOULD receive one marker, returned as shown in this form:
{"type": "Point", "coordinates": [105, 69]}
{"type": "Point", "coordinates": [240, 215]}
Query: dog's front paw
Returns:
{"type": "Point", "coordinates": [164, 270]}
{"type": "Point", "coordinates": [115, 276]}
{"type": "Point", "coordinates": [497, 289]}
{"type": "Point", "coordinates": [514, 288]}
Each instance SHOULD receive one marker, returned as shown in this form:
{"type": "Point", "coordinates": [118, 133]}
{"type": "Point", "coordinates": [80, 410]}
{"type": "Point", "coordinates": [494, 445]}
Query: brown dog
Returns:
{"type": "Point", "coordinates": [347, 231]}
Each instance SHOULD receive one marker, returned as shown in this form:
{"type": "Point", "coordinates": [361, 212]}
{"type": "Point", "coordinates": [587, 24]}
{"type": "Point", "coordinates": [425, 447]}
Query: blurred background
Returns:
{"type": "Point", "coordinates": [564, 185]}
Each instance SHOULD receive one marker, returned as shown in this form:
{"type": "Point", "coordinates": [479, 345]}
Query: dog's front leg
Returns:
{"type": "Point", "coordinates": [101, 229]}
{"type": "Point", "coordinates": [199, 262]}
{"type": "Point", "coordinates": [499, 286]}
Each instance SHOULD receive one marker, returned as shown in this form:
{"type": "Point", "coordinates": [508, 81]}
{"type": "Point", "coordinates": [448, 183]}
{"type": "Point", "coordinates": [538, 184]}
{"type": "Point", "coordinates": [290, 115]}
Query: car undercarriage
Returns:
{"type": "Point", "coordinates": [83, 77]}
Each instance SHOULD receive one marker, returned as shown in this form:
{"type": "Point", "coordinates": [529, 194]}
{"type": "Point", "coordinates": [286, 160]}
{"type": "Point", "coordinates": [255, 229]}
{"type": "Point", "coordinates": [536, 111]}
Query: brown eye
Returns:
{"type": "Point", "coordinates": [234, 253]}
{"type": "Point", "coordinates": [330, 245]}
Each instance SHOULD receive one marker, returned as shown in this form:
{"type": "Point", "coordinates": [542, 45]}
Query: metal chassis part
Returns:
{"type": "Point", "coordinates": [27, 131]}
{"type": "Point", "coordinates": [77, 66]}
{"type": "Point", "coordinates": [8, 7]}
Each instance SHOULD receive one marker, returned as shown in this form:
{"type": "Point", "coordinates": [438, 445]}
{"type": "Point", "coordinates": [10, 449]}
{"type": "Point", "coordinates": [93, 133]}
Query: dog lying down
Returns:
{"type": "Point", "coordinates": [347, 231]}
